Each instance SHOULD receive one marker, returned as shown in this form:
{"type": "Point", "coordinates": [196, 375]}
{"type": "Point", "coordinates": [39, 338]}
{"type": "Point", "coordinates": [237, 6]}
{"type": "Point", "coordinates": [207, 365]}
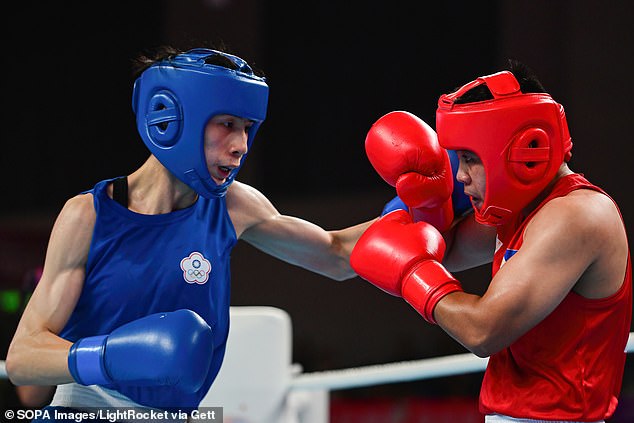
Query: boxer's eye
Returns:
{"type": "Point", "coordinates": [468, 158]}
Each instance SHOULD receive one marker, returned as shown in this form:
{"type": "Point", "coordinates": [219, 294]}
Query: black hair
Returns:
{"type": "Point", "coordinates": [146, 59]}
{"type": "Point", "coordinates": [529, 83]}
{"type": "Point", "coordinates": [150, 57]}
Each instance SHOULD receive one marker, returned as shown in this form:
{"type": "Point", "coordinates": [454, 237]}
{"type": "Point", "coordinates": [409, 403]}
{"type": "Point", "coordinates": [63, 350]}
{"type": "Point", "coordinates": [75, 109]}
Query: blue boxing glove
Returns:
{"type": "Point", "coordinates": [162, 349]}
{"type": "Point", "coordinates": [461, 202]}
{"type": "Point", "coordinates": [394, 204]}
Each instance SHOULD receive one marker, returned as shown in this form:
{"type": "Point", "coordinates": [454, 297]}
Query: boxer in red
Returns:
{"type": "Point", "coordinates": [556, 315]}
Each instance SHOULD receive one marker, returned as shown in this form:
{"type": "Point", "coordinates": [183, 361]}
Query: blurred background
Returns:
{"type": "Point", "coordinates": [333, 68]}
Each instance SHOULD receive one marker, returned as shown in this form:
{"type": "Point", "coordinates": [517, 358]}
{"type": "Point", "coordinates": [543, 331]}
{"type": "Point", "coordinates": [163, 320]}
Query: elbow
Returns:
{"type": "Point", "coordinates": [482, 343]}
{"type": "Point", "coordinates": [15, 367]}
{"type": "Point", "coordinates": [12, 367]}
{"type": "Point", "coordinates": [480, 350]}
{"type": "Point", "coordinates": [487, 347]}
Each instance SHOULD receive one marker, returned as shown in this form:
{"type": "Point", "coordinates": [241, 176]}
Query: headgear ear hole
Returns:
{"type": "Point", "coordinates": [163, 119]}
{"type": "Point", "coordinates": [529, 155]}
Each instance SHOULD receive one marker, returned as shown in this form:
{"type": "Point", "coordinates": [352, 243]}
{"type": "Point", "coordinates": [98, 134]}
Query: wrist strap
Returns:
{"type": "Point", "coordinates": [85, 361]}
{"type": "Point", "coordinates": [427, 283]}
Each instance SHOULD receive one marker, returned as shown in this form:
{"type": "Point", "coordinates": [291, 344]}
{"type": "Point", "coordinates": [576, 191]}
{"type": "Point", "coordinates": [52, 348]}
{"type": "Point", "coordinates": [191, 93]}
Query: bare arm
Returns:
{"type": "Point", "coordinates": [35, 396]}
{"type": "Point", "coordinates": [562, 245]}
{"type": "Point", "coordinates": [469, 244]}
{"type": "Point", "coordinates": [37, 355]}
{"type": "Point", "coordinates": [291, 239]}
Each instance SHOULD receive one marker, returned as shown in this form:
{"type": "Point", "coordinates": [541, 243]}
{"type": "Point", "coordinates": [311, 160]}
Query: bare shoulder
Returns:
{"type": "Point", "coordinates": [584, 229]}
{"type": "Point", "coordinates": [247, 206]}
{"type": "Point", "coordinates": [584, 211]}
{"type": "Point", "coordinates": [80, 204]}
{"type": "Point", "coordinates": [72, 233]}
{"type": "Point", "coordinates": [78, 210]}
{"type": "Point", "coordinates": [240, 194]}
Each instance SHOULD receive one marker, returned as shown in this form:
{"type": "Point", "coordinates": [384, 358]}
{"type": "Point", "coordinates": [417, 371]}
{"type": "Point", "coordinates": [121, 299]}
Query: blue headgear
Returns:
{"type": "Point", "coordinates": [174, 99]}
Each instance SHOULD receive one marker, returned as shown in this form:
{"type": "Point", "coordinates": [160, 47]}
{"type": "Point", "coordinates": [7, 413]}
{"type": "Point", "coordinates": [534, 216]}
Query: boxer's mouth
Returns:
{"type": "Point", "coordinates": [222, 173]}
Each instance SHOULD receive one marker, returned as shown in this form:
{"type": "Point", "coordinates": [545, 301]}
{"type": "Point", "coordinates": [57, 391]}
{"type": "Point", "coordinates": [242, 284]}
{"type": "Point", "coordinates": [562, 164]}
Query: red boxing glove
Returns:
{"type": "Point", "coordinates": [405, 152]}
{"type": "Point", "coordinates": [402, 258]}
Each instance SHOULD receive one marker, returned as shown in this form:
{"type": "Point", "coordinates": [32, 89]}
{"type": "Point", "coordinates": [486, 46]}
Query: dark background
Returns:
{"type": "Point", "coordinates": [333, 68]}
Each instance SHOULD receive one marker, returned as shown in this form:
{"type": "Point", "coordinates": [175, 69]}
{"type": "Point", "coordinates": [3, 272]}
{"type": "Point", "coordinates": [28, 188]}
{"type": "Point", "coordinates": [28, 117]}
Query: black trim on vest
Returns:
{"type": "Point", "coordinates": [120, 191]}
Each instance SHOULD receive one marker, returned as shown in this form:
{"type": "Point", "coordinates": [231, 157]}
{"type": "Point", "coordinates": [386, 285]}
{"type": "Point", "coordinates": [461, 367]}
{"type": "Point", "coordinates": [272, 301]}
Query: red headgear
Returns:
{"type": "Point", "coordinates": [522, 140]}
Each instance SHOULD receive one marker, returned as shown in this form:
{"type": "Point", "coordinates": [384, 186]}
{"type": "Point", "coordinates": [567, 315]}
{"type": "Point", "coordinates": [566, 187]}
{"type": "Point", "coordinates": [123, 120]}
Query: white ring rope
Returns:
{"type": "Point", "coordinates": [357, 377]}
{"type": "Point", "coordinates": [404, 371]}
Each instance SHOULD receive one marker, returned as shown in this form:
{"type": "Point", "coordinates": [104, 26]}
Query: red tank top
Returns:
{"type": "Point", "coordinates": [569, 366]}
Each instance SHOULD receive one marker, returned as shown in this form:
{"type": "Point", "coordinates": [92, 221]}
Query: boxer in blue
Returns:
{"type": "Point", "coordinates": [133, 306]}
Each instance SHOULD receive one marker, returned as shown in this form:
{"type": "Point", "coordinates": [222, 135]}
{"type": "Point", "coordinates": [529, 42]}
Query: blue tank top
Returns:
{"type": "Point", "coordinates": [144, 264]}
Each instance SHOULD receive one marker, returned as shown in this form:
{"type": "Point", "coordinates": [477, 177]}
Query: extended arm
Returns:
{"type": "Point", "coordinates": [289, 238]}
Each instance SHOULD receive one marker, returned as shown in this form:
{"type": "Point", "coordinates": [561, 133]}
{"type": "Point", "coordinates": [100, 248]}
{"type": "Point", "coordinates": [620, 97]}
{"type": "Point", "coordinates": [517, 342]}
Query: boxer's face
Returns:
{"type": "Point", "coordinates": [471, 174]}
{"type": "Point", "coordinates": [225, 143]}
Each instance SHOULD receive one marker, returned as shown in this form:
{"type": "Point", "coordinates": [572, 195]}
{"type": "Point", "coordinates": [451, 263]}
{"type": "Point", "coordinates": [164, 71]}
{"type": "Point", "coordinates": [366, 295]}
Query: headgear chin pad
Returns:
{"type": "Point", "coordinates": [174, 99]}
{"type": "Point", "coordinates": [521, 139]}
